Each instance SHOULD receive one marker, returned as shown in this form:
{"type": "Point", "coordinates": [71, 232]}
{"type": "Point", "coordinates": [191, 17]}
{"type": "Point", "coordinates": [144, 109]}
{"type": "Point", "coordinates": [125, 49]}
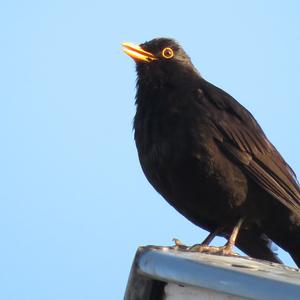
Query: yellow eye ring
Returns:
{"type": "Point", "coordinates": [167, 53]}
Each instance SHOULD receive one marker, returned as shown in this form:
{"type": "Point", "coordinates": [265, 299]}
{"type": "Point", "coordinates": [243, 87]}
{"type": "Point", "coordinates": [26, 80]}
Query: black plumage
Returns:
{"type": "Point", "coordinates": [208, 157]}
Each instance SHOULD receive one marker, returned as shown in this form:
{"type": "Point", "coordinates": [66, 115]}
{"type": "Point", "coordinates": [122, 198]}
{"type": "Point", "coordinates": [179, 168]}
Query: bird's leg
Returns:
{"type": "Point", "coordinates": [204, 246]}
{"type": "Point", "coordinates": [210, 237]}
{"type": "Point", "coordinates": [207, 241]}
{"type": "Point", "coordinates": [231, 242]}
{"type": "Point", "coordinates": [223, 250]}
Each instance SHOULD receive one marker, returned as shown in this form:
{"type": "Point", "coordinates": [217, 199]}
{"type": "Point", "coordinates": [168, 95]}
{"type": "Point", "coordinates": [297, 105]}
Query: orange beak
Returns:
{"type": "Point", "coordinates": [137, 52]}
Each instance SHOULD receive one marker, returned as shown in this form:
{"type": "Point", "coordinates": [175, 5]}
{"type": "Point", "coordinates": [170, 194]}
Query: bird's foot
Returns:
{"type": "Point", "coordinates": [222, 250]}
{"type": "Point", "coordinates": [226, 250]}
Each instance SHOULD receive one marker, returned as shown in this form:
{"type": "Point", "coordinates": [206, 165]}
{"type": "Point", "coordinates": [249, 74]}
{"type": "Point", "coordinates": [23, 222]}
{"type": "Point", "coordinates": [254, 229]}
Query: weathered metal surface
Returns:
{"type": "Point", "coordinates": [237, 276]}
{"type": "Point", "coordinates": [174, 291]}
{"type": "Point", "coordinates": [141, 287]}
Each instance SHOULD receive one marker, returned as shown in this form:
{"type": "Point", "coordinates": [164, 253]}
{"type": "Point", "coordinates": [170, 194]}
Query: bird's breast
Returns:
{"type": "Point", "coordinates": [180, 158]}
{"type": "Point", "coordinates": [171, 145]}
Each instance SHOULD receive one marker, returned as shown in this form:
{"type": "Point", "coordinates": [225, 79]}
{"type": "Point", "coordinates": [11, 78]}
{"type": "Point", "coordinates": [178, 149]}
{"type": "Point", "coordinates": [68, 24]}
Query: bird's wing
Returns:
{"type": "Point", "coordinates": [243, 139]}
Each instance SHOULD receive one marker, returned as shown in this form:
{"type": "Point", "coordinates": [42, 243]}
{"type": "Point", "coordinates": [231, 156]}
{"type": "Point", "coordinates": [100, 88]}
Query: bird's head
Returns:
{"type": "Point", "coordinates": [160, 61]}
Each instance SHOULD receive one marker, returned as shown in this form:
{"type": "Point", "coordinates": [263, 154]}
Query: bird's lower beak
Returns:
{"type": "Point", "coordinates": [137, 52]}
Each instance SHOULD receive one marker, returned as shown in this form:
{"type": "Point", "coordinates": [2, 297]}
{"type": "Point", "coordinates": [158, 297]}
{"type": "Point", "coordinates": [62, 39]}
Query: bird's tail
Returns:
{"type": "Point", "coordinates": [257, 245]}
{"type": "Point", "coordinates": [285, 232]}
{"type": "Point", "coordinates": [289, 240]}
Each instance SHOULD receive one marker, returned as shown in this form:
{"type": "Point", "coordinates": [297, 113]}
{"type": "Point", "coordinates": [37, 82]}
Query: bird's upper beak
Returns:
{"type": "Point", "coordinates": [137, 52]}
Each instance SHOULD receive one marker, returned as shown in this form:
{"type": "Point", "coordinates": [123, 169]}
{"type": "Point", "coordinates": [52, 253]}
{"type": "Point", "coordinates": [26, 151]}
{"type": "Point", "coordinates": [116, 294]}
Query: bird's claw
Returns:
{"type": "Point", "coordinates": [225, 250]}
{"type": "Point", "coordinates": [222, 250]}
{"type": "Point", "coordinates": [179, 245]}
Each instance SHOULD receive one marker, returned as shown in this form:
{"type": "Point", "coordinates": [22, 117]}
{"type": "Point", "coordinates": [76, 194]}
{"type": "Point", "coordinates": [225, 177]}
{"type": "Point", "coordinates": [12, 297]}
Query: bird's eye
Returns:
{"type": "Point", "coordinates": [167, 53]}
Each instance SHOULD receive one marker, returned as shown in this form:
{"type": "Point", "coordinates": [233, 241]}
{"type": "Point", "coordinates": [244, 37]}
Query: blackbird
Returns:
{"type": "Point", "coordinates": [209, 158]}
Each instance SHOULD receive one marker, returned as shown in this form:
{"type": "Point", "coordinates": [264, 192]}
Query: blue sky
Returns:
{"type": "Point", "coordinates": [74, 202]}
